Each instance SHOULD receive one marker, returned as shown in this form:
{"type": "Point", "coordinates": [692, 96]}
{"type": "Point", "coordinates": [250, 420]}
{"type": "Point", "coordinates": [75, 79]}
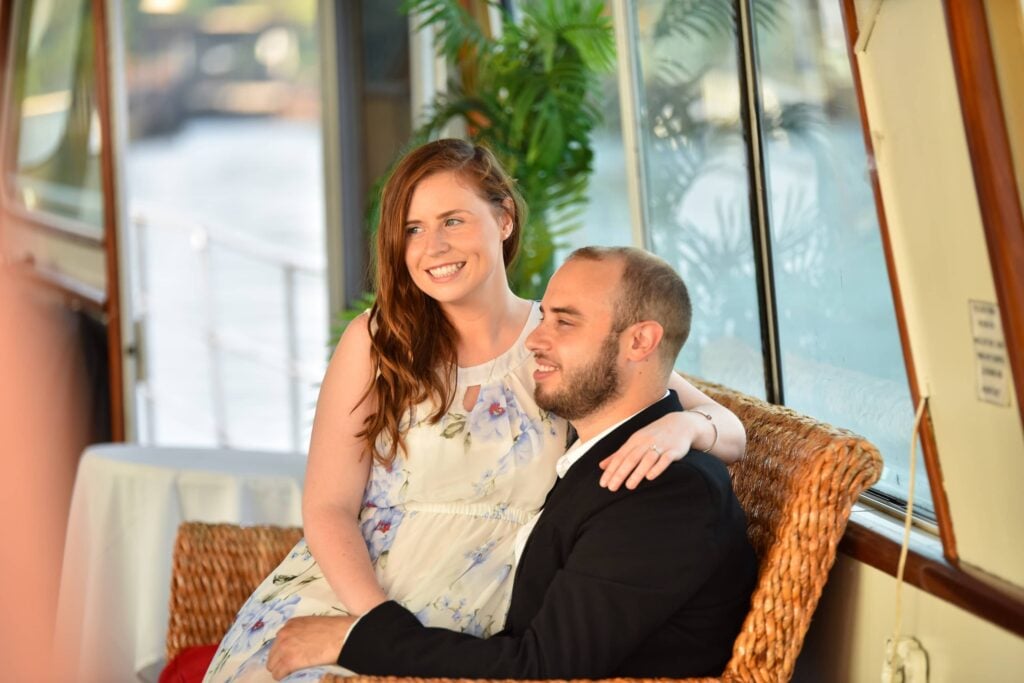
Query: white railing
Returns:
{"type": "Point", "coordinates": [202, 238]}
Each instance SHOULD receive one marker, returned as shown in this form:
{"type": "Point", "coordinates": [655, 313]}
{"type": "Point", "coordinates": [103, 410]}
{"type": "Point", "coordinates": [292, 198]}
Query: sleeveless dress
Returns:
{"type": "Point", "coordinates": [440, 525]}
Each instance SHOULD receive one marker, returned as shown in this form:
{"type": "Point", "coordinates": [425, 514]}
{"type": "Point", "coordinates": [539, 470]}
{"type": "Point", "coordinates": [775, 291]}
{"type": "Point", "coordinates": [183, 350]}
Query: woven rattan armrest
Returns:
{"type": "Point", "coordinates": [215, 568]}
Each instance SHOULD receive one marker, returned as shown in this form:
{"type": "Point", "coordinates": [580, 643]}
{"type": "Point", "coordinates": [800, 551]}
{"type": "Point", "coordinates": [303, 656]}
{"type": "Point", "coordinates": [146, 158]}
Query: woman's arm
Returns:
{"type": "Point", "coordinates": [731, 441]}
{"type": "Point", "coordinates": [652, 449]}
{"type": "Point", "coordinates": [337, 472]}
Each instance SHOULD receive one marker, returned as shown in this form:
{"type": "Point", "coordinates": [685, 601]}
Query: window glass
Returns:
{"type": "Point", "coordinates": [56, 165]}
{"type": "Point", "coordinates": [606, 217]}
{"type": "Point", "coordinates": [225, 191]}
{"type": "Point", "coordinates": [697, 191]}
{"type": "Point", "coordinates": [842, 360]}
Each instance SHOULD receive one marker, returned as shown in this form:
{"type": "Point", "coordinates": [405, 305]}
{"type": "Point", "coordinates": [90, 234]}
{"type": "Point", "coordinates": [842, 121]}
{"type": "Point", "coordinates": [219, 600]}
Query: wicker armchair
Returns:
{"type": "Point", "coordinates": [797, 484]}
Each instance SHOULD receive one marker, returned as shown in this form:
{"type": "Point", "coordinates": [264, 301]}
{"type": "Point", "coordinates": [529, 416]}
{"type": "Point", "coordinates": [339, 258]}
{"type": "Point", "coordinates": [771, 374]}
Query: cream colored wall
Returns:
{"type": "Point", "coordinates": [942, 263]}
{"type": "Point", "coordinates": [847, 636]}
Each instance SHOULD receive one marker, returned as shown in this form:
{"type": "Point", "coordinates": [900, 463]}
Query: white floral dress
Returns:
{"type": "Point", "coordinates": [440, 525]}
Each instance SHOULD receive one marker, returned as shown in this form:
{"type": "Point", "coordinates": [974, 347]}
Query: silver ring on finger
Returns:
{"type": "Point", "coordinates": [657, 451]}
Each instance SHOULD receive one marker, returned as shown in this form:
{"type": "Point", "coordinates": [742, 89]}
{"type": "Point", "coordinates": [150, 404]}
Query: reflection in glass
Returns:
{"type": "Point", "coordinates": [697, 197]}
{"type": "Point", "coordinates": [606, 219]}
{"type": "Point", "coordinates": [842, 361]}
{"type": "Point", "coordinates": [57, 129]}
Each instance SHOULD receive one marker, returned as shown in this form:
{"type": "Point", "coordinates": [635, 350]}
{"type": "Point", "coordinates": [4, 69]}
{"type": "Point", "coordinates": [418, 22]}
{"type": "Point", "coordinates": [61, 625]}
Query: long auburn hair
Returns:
{"type": "Point", "coordinates": [413, 345]}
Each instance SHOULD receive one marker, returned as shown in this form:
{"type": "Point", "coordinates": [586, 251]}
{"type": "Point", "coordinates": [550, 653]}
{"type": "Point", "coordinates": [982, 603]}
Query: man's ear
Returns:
{"type": "Point", "coordinates": [643, 339]}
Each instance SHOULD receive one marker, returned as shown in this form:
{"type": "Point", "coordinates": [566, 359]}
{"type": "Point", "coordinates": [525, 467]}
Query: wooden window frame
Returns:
{"type": "Point", "coordinates": [988, 144]}
{"type": "Point", "coordinates": [942, 574]}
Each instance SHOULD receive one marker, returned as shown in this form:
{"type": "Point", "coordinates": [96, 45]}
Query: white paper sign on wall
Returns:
{"type": "Point", "coordinates": [990, 359]}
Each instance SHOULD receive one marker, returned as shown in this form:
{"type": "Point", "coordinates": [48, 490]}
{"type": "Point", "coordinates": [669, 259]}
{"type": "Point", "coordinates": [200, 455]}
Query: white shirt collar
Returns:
{"type": "Point", "coordinates": [578, 449]}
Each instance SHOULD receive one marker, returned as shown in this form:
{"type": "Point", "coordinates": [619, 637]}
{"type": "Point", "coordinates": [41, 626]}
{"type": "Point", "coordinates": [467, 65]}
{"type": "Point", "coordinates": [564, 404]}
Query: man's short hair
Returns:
{"type": "Point", "coordinates": [650, 290]}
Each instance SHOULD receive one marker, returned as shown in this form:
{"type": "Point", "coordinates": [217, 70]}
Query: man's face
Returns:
{"type": "Point", "coordinates": [576, 349]}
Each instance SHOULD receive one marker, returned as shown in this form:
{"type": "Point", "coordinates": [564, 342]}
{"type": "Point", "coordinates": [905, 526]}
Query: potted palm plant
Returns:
{"type": "Point", "coordinates": [530, 94]}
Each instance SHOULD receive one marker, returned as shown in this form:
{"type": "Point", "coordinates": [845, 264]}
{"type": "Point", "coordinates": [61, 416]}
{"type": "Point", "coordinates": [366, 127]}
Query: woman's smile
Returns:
{"type": "Point", "coordinates": [445, 272]}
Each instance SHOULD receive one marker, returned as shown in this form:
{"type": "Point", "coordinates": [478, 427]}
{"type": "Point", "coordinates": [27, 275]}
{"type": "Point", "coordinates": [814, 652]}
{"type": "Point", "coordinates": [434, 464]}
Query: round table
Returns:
{"type": "Point", "coordinates": [127, 504]}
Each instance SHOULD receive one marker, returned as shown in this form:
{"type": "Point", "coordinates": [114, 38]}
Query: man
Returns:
{"type": "Point", "coordinates": [653, 582]}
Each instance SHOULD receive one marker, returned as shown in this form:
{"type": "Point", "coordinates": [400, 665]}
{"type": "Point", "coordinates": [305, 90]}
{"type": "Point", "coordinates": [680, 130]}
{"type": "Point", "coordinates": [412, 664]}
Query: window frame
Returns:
{"type": "Point", "coordinates": [45, 221]}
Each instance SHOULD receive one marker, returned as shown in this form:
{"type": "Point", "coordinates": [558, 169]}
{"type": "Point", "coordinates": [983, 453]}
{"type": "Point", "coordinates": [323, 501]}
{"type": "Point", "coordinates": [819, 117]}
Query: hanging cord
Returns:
{"type": "Point", "coordinates": [908, 522]}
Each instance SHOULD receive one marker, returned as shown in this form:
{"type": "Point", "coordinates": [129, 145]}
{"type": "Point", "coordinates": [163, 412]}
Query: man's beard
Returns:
{"type": "Point", "coordinates": [587, 388]}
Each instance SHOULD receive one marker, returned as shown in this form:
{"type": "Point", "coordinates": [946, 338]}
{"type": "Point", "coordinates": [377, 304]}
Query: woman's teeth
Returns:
{"type": "Point", "coordinates": [445, 271]}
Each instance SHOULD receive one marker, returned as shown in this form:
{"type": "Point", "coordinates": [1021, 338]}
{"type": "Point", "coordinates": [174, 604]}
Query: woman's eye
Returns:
{"type": "Point", "coordinates": [449, 222]}
{"type": "Point", "coordinates": [413, 230]}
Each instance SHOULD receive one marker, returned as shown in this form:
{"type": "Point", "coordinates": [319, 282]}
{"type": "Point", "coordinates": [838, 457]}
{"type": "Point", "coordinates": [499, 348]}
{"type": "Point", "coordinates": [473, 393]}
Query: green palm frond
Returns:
{"type": "Point", "coordinates": [455, 27]}
{"type": "Point", "coordinates": [706, 18]}
{"type": "Point", "coordinates": [534, 101]}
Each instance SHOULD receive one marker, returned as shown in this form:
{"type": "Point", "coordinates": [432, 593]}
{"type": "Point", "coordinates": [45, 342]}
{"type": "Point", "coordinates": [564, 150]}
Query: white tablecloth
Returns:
{"type": "Point", "coordinates": [127, 504]}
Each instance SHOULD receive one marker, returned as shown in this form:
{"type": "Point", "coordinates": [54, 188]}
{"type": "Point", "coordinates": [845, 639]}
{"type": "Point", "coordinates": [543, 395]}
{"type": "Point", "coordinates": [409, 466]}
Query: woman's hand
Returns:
{"type": "Point", "coordinates": [651, 450]}
{"type": "Point", "coordinates": [706, 425]}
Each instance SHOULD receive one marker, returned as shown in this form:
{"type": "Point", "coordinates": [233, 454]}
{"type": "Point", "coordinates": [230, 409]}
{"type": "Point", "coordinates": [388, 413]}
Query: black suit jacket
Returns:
{"type": "Point", "coordinates": [651, 582]}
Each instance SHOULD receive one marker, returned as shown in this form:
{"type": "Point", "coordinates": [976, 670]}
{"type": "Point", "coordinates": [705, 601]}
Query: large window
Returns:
{"type": "Point", "coordinates": [53, 154]}
{"type": "Point", "coordinates": [755, 186]}
{"type": "Point", "coordinates": [225, 193]}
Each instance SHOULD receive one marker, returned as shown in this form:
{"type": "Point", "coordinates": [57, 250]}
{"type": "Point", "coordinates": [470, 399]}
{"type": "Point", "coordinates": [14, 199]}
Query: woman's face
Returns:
{"type": "Point", "coordinates": [453, 240]}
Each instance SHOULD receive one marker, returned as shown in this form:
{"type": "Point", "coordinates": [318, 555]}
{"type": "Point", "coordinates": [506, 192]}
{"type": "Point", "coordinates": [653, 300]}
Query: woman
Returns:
{"type": "Point", "coordinates": [428, 451]}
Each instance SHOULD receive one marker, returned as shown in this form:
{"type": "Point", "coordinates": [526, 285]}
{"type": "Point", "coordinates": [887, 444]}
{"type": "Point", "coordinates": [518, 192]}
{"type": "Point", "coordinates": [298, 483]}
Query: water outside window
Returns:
{"type": "Point", "coordinates": [841, 355]}
{"type": "Point", "coordinates": [225, 196]}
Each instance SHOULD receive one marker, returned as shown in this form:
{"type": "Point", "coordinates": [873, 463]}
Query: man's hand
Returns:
{"type": "Point", "coordinates": [307, 641]}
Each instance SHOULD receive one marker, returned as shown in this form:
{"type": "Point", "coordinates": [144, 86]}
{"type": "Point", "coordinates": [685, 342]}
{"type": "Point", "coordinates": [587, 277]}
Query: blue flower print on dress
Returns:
{"type": "Point", "coordinates": [386, 485]}
{"type": "Point", "coordinates": [259, 621]}
{"type": "Point", "coordinates": [526, 443]}
{"type": "Point", "coordinates": [315, 673]}
{"type": "Point", "coordinates": [490, 419]}
{"type": "Point", "coordinates": [379, 528]}
{"type": "Point", "coordinates": [446, 604]}
{"type": "Point", "coordinates": [301, 551]}
{"type": "Point", "coordinates": [477, 556]}
{"type": "Point", "coordinates": [257, 661]}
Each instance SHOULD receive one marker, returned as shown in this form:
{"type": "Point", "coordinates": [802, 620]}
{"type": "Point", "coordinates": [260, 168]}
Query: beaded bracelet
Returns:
{"type": "Point", "coordinates": [713, 426]}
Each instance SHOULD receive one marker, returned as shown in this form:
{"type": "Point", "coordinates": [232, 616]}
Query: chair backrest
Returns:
{"type": "Point", "coordinates": [797, 483]}
{"type": "Point", "coordinates": [216, 567]}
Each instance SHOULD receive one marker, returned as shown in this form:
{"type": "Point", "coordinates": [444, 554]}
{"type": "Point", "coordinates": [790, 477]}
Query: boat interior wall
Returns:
{"type": "Point", "coordinates": [943, 265]}
{"type": "Point", "coordinates": [845, 641]}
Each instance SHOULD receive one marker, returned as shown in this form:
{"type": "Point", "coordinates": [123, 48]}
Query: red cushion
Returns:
{"type": "Point", "coordinates": [189, 666]}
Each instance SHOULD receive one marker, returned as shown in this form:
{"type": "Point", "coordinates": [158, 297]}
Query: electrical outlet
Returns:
{"type": "Point", "coordinates": [905, 661]}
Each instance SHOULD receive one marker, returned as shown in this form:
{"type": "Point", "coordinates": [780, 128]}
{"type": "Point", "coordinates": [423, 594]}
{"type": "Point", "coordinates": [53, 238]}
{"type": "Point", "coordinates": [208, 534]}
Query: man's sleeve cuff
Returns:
{"type": "Point", "coordinates": [385, 615]}
{"type": "Point", "coordinates": [345, 639]}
